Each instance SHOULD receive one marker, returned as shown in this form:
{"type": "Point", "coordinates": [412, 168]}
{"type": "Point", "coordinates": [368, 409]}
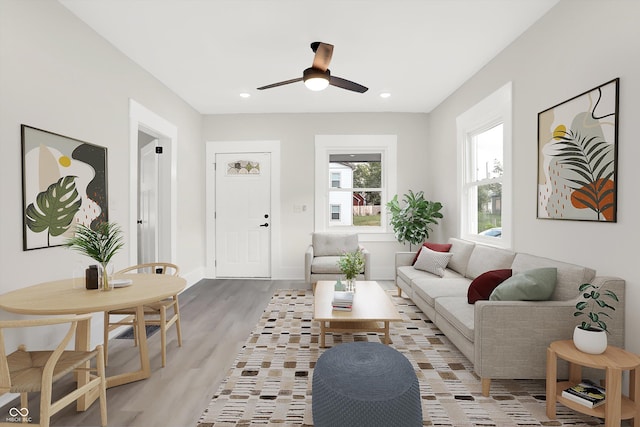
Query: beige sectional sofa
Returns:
{"type": "Point", "coordinates": [503, 339]}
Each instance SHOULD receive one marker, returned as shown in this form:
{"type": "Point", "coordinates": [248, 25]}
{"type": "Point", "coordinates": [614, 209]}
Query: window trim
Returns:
{"type": "Point", "coordinates": [491, 111]}
{"type": "Point", "coordinates": [325, 145]}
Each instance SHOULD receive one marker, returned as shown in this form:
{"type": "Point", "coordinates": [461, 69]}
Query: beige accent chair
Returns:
{"type": "Point", "coordinates": [155, 314]}
{"type": "Point", "coordinates": [321, 258]}
{"type": "Point", "coordinates": [35, 371]}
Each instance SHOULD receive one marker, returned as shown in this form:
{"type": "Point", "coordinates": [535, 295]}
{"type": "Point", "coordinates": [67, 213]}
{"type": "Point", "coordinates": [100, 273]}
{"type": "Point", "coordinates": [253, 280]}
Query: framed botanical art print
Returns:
{"type": "Point", "coordinates": [64, 181]}
{"type": "Point", "coordinates": [577, 157]}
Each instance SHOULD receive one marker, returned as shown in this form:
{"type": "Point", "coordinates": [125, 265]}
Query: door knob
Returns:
{"type": "Point", "coordinates": [266, 224]}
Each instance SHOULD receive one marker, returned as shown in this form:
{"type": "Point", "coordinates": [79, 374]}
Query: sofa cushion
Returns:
{"type": "Point", "coordinates": [458, 313]}
{"type": "Point", "coordinates": [325, 264]}
{"type": "Point", "coordinates": [438, 247]}
{"type": "Point", "coordinates": [569, 277]}
{"type": "Point", "coordinates": [486, 258]}
{"type": "Point", "coordinates": [432, 261]}
{"type": "Point", "coordinates": [461, 250]}
{"type": "Point", "coordinates": [429, 289]}
{"type": "Point", "coordinates": [532, 285]}
{"type": "Point", "coordinates": [325, 244]}
{"type": "Point", "coordinates": [484, 284]}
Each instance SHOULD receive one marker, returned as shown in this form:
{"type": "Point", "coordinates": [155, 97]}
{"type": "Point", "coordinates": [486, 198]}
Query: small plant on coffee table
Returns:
{"type": "Point", "coordinates": [351, 264]}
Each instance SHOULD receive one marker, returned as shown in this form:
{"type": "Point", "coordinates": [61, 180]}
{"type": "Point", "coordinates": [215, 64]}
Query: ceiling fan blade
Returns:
{"type": "Point", "coordinates": [286, 82]}
{"type": "Point", "coordinates": [323, 55]}
{"type": "Point", "coordinates": [347, 84]}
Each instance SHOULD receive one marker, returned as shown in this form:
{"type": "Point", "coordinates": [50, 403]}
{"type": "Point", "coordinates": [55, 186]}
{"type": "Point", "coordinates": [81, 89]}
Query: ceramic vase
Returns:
{"type": "Point", "coordinates": [592, 341]}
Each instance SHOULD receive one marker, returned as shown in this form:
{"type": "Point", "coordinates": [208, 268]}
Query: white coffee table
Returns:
{"type": "Point", "coordinates": [372, 310]}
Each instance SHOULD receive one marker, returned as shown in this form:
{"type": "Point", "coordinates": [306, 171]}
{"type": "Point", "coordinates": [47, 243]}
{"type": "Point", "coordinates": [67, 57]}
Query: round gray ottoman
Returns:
{"type": "Point", "coordinates": [365, 384]}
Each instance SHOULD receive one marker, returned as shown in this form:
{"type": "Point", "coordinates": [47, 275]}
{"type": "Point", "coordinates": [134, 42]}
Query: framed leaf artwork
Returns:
{"type": "Point", "coordinates": [577, 157]}
{"type": "Point", "coordinates": [64, 181]}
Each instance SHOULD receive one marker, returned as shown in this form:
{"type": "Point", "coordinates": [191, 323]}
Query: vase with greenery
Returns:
{"type": "Point", "coordinates": [594, 304]}
{"type": "Point", "coordinates": [412, 222]}
{"type": "Point", "coordinates": [351, 264]}
{"type": "Point", "coordinates": [100, 244]}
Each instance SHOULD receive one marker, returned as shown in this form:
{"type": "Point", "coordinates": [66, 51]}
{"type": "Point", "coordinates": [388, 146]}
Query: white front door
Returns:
{"type": "Point", "coordinates": [148, 204]}
{"type": "Point", "coordinates": [243, 216]}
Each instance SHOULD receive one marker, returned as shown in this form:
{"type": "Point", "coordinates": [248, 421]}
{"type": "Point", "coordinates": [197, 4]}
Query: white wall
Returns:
{"type": "Point", "coordinates": [58, 75]}
{"type": "Point", "coordinates": [296, 133]}
{"type": "Point", "coordinates": [577, 46]}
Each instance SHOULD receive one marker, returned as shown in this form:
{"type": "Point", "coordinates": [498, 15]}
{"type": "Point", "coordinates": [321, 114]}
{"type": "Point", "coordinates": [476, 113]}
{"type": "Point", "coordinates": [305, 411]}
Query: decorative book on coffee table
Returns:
{"type": "Point", "coordinates": [342, 301]}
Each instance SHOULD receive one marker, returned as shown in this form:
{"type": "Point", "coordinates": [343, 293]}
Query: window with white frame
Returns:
{"type": "Point", "coordinates": [335, 179]}
{"type": "Point", "coordinates": [484, 170]}
{"type": "Point", "coordinates": [335, 212]}
{"type": "Point", "coordinates": [365, 166]}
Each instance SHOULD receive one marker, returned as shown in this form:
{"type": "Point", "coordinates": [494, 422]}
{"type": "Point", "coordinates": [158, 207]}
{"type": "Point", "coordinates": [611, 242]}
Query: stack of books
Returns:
{"type": "Point", "coordinates": [586, 393]}
{"type": "Point", "coordinates": [342, 300]}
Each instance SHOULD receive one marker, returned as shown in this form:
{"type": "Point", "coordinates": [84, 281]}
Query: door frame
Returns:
{"type": "Point", "coordinates": [145, 120]}
{"type": "Point", "coordinates": [219, 147]}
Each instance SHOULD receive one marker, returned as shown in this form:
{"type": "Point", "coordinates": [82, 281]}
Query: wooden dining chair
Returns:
{"type": "Point", "coordinates": [35, 371]}
{"type": "Point", "coordinates": [155, 313]}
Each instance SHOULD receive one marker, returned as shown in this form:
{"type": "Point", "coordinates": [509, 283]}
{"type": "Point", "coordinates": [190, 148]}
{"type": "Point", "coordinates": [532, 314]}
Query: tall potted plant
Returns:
{"type": "Point", "coordinates": [412, 222]}
{"type": "Point", "coordinates": [100, 244]}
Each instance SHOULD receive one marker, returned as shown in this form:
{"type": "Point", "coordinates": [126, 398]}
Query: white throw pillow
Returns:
{"type": "Point", "coordinates": [432, 261]}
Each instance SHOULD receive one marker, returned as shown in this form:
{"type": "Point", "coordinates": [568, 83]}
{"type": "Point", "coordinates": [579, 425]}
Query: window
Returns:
{"type": "Point", "coordinates": [335, 212]}
{"type": "Point", "coordinates": [335, 179]}
{"type": "Point", "coordinates": [360, 191]}
{"type": "Point", "coordinates": [355, 177]}
{"type": "Point", "coordinates": [484, 134]}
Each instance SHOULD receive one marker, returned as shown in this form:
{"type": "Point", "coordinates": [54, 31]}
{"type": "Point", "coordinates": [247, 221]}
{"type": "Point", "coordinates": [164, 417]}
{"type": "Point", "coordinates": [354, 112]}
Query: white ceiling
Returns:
{"type": "Point", "coordinates": [209, 51]}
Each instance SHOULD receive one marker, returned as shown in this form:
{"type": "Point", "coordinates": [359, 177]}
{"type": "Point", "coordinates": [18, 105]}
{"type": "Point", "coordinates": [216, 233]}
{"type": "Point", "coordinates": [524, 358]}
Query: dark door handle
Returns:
{"type": "Point", "coordinates": [266, 224]}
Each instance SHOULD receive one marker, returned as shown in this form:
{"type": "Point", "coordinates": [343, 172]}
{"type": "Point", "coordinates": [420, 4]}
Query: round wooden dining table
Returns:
{"type": "Point", "coordinates": [62, 297]}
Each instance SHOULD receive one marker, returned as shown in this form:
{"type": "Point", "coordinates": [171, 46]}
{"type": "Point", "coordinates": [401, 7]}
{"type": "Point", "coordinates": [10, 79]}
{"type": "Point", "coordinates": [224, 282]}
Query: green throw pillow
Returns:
{"type": "Point", "coordinates": [532, 285]}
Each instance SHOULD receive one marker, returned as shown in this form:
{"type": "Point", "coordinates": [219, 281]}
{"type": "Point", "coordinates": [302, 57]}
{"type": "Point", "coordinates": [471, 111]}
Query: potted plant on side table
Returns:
{"type": "Point", "coordinates": [100, 244]}
{"type": "Point", "coordinates": [591, 335]}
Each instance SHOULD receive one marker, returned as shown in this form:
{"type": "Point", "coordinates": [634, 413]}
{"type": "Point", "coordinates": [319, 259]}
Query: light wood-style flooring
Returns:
{"type": "Point", "coordinates": [217, 317]}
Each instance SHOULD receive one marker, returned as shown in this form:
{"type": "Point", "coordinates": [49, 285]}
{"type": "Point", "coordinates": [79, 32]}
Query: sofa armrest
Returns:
{"type": "Point", "coordinates": [511, 337]}
{"type": "Point", "coordinates": [308, 259]}
{"type": "Point", "coordinates": [367, 262]}
{"type": "Point", "coordinates": [404, 258]}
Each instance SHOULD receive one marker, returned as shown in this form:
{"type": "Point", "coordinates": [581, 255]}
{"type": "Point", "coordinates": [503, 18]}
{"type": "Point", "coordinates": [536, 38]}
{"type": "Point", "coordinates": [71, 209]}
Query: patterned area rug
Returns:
{"type": "Point", "coordinates": [270, 380]}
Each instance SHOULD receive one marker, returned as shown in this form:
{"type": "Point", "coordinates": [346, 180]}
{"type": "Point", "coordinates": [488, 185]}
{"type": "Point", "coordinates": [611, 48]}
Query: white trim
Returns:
{"type": "Point", "coordinates": [333, 144]}
{"type": "Point", "coordinates": [141, 118]}
{"type": "Point", "coordinates": [215, 147]}
{"type": "Point", "coordinates": [495, 108]}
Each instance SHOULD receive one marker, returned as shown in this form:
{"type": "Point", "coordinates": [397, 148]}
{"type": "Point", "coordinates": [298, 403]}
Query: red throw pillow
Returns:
{"type": "Point", "coordinates": [484, 284]}
{"type": "Point", "coordinates": [438, 247]}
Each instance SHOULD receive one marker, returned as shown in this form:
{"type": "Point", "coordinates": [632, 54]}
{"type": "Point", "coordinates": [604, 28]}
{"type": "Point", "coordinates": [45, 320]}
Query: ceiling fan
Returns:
{"type": "Point", "coordinates": [318, 76]}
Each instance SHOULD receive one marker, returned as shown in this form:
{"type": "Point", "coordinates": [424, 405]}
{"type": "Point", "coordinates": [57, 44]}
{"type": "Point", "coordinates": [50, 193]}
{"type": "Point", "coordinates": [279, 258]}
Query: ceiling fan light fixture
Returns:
{"type": "Point", "coordinates": [316, 80]}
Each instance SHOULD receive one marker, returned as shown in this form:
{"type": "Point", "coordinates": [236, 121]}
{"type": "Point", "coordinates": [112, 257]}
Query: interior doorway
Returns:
{"type": "Point", "coordinates": [153, 187]}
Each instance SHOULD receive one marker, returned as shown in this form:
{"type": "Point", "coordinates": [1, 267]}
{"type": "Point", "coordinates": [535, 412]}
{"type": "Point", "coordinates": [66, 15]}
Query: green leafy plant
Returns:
{"type": "Point", "coordinates": [412, 223]}
{"type": "Point", "coordinates": [593, 305]}
{"type": "Point", "coordinates": [351, 263]}
{"type": "Point", "coordinates": [54, 208]}
{"type": "Point", "coordinates": [100, 244]}
{"type": "Point", "coordinates": [591, 159]}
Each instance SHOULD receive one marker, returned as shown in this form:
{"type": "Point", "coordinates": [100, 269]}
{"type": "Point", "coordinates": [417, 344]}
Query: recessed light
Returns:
{"type": "Point", "coordinates": [245, 95]}
{"type": "Point", "coordinates": [385, 95]}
